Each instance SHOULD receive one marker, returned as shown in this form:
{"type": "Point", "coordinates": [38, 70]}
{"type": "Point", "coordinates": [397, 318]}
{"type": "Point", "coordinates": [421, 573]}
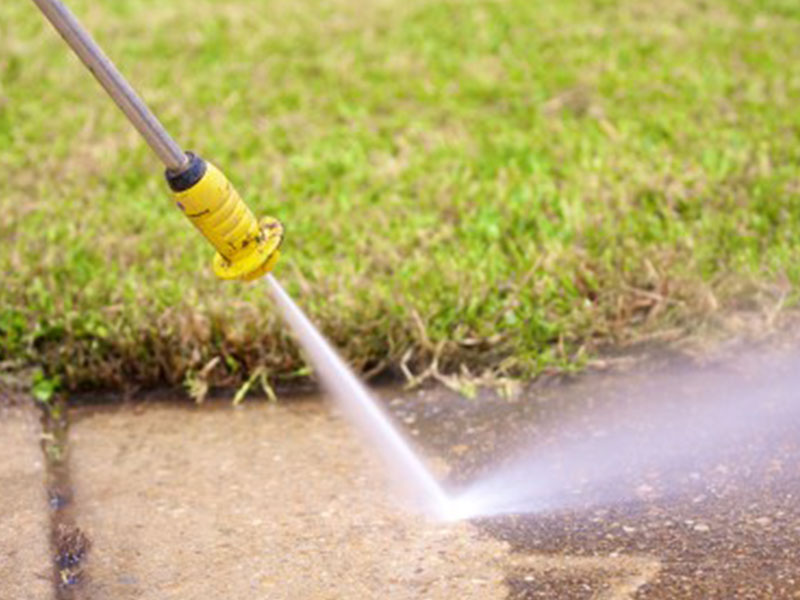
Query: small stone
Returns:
{"type": "Point", "coordinates": [646, 492]}
{"type": "Point", "coordinates": [702, 528]}
{"type": "Point", "coordinates": [459, 449]}
{"type": "Point", "coordinates": [763, 521]}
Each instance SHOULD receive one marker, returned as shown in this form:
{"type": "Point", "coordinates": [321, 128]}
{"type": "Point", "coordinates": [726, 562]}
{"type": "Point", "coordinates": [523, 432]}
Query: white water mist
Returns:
{"type": "Point", "coordinates": [666, 424]}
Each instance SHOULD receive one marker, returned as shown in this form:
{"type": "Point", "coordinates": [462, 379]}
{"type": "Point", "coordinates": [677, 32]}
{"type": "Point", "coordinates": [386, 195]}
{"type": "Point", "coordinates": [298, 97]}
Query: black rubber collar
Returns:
{"type": "Point", "coordinates": [180, 182]}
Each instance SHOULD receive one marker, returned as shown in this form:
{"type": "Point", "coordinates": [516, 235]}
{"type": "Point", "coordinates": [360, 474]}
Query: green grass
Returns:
{"type": "Point", "coordinates": [504, 185]}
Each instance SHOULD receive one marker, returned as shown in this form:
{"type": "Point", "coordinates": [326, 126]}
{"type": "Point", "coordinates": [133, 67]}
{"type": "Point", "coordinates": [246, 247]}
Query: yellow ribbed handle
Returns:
{"type": "Point", "coordinates": [246, 249]}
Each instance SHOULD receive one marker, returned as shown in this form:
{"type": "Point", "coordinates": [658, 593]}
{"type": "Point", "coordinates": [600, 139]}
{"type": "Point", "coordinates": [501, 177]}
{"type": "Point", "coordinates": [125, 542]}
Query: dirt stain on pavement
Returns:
{"type": "Point", "coordinates": [69, 545]}
{"type": "Point", "coordinates": [598, 577]}
{"type": "Point", "coordinates": [695, 488]}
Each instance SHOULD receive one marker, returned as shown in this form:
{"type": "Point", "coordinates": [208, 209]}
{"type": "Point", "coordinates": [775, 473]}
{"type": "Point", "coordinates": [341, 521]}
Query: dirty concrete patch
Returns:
{"type": "Point", "coordinates": [603, 577]}
{"type": "Point", "coordinates": [25, 565]}
{"type": "Point", "coordinates": [714, 516]}
{"type": "Point", "coordinates": [69, 545]}
{"type": "Point", "coordinates": [262, 501]}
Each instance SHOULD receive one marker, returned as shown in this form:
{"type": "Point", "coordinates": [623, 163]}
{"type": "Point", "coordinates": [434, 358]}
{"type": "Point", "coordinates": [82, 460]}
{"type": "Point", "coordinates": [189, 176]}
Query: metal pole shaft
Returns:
{"type": "Point", "coordinates": [115, 84]}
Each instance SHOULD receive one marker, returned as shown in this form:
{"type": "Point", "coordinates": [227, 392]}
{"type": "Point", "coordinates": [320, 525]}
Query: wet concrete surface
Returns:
{"type": "Point", "coordinates": [667, 482]}
{"type": "Point", "coordinates": [25, 565]}
{"type": "Point", "coordinates": [694, 472]}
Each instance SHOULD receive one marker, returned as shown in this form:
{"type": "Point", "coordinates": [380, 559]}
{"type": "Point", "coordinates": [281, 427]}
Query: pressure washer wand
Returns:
{"type": "Point", "coordinates": [246, 250]}
{"type": "Point", "coordinates": [115, 84]}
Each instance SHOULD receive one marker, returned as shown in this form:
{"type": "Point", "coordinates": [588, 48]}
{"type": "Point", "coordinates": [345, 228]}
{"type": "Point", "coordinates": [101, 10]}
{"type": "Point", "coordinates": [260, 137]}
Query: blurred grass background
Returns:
{"type": "Point", "coordinates": [496, 187]}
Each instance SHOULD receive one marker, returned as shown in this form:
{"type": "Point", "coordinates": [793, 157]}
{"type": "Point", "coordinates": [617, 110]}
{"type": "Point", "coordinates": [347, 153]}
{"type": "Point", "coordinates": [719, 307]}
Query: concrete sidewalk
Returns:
{"type": "Point", "coordinates": [258, 502]}
{"type": "Point", "coordinates": [25, 565]}
{"type": "Point", "coordinates": [691, 492]}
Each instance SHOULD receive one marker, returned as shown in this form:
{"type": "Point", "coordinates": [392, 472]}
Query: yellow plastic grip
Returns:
{"type": "Point", "coordinates": [246, 249]}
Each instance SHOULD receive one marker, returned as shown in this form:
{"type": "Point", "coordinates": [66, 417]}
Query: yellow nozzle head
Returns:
{"type": "Point", "coordinates": [246, 248]}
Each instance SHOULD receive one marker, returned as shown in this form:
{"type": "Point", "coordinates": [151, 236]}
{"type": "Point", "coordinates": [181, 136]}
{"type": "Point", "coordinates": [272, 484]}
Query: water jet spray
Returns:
{"type": "Point", "coordinates": [246, 250]}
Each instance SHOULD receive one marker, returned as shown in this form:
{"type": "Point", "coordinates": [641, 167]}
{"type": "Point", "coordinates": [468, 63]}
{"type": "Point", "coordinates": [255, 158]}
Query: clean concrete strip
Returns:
{"type": "Point", "coordinates": [259, 502]}
{"type": "Point", "coordinates": [25, 566]}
